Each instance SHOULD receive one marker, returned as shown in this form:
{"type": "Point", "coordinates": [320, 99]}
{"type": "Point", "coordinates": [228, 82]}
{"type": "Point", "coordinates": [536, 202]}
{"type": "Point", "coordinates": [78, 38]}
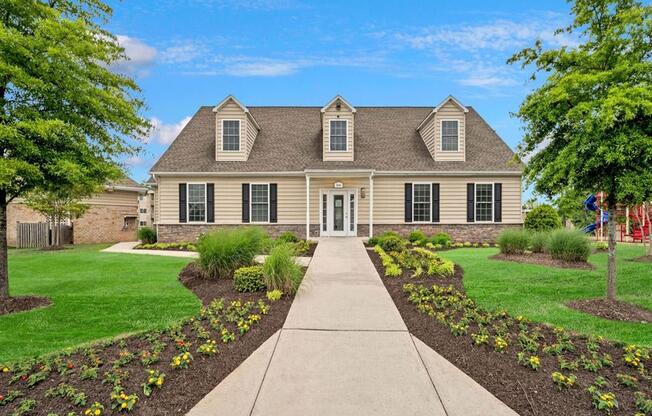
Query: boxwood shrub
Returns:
{"type": "Point", "coordinates": [249, 279]}
{"type": "Point", "coordinates": [442, 239]}
{"type": "Point", "coordinates": [513, 241]}
{"type": "Point", "coordinates": [569, 245]}
{"type": "Point", "coordinates": [542, 218]}
{"type": "Point", "coordinates": [288, 237]}
{"type": "Point", "coordinates": [222, 251]}
{"type": "Point", "coordinates": [147, 235]}
{"type": "Point", "coordinates": [417, 236]}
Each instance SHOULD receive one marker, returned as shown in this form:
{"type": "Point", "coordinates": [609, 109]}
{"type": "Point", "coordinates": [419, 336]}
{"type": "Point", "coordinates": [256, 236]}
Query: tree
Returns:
{"type": "Point", "coordinates": [58, 205]}
{"type": "Point", "coordinates": [570, 205]}
{"type": "Point", "coordinates": [65, 115]}
{"type": "Point", "coordinates": [589, 126]}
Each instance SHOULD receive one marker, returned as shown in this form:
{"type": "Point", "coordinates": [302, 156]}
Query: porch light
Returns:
{"type": "Point", "coordinates": [363, 193]}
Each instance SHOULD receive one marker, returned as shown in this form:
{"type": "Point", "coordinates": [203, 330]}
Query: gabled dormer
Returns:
{"type": "Point", "coordinates": [444, 130]}
{"type": "Point", "coordinates": [338, 123]}
{"type": "Point", "coordinates": [235, 130]}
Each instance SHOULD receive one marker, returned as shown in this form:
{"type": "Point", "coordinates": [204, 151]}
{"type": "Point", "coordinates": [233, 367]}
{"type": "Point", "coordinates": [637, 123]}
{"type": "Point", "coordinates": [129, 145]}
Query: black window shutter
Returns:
{"type": "Point", "coordinates": [470, 202]}
{"type": "Point", "coordinates": [273, 216]}
{"type": "Point", "coordinates": [408, 202]}
{"type": "Point", "coordinates": [435, 202]}
{"type": "Point", "coordinates": [210, 202]}
{"type": "Point", "coordinates": [498, 202]}
{"type": "Point", "coordinates": [245, 202]}
{"type": "Point", "coordinates": [182, 203]}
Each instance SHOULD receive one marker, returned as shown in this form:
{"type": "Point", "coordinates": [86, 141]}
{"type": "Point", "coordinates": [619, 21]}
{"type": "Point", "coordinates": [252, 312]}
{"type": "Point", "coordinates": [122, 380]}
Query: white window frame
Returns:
{"type": "Point", "coordinates": [430, 204]}
{"type": "Point", "coordinates": [441, 135]}
{"type": "Point", "coordinates": [330, 132]}
{"type": "Point", "coordinates": [188, 202]}
{"type": "Point", "coordinates": [475, 201]}
{"type": "Point", "coordinates": [239, 135]}
{"type": "Point", "coordinates": [251, 203]}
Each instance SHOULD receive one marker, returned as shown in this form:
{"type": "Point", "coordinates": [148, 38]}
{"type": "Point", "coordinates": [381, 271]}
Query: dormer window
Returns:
{"type": "Point", "coordinates": [231, 135]}
{"type": "Point", "coordinates": [449, 135]}
{"type": "Point", "coordinates": [338, 135]}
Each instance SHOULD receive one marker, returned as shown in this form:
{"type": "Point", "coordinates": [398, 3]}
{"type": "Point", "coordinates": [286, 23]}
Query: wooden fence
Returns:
{"type": "Point", "coordinates": [40, 234]}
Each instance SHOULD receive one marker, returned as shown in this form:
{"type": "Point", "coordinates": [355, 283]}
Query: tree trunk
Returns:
{"type": "Point", "coordinates": [4, 269]}
{"type": "Point", "coordinates": [647, 206]}
{"type": "Point", "coordinates": [611, 258]}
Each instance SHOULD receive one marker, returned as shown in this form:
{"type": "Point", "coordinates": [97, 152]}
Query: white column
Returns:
{"type": "Point", "coordinates": [307, 207]}
{"type": "Point", "coordinates": [371, 205]}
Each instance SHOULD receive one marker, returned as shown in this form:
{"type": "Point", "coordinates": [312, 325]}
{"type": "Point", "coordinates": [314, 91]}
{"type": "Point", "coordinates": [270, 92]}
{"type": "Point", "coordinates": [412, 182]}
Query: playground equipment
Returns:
{"type": "Point", "coordinates": [632, 222]}
{"type": "Point", "coordinates": [602, 216]}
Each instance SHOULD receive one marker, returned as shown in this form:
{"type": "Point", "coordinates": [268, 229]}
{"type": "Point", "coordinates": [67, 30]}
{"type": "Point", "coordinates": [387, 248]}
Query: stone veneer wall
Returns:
{"type": "Point", "coordinates": [458, 232]}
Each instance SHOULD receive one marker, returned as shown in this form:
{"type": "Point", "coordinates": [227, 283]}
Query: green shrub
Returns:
{"type": "Point", "coordinates": [301, 247]}
{"type": "Point", "coordinates": [417, 236]}
{"type": "Point", "coordinates": [513, 241]}
{"type": "Point", "coordinates": [602, 246]}
{"type": "Point", "coordinates": [569, 245]}
{"type": "Point", "coordinates": [147, 235]}
{"type": "Point", "coordinates": [223, 251]}
{"type": "Point", "coordinates": [280, 270]}
{"type": "Point", "coordinates": [542, 218]}
{"type": "Point", "coordinates": [249, 279]}
{"type": "Point", "coordinates": [274, 295]}
{"type": "Point", "coordinates": [442, 239]}
{"type": "Point", "coordinates": [392, 243]}
{"type": "Point", "coordinates": [539, 241]}
{"type": "Point", "coordinates": [288, 237]}
{"type": "Point", "coordinates": [377, 240]}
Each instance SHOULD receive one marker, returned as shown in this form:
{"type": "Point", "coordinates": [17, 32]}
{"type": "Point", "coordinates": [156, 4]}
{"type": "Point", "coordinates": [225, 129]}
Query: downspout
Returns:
{"type": "Point", "coordinates": [371, 205]}
{"type": "Point", "coordinates": [307, 207]}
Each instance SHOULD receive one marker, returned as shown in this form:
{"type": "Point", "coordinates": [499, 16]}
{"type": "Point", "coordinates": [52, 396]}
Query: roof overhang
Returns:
{"type": "Point", "coordinates": [111, 188]}
{"type": "Point", "coordinates": [440, 105]}
{"type": "Point", "coordinates": [239, 104]}
{"type": "Point", "coordinates": [328, 173]}
{"type": "Point", "coordinates": [338, 98]}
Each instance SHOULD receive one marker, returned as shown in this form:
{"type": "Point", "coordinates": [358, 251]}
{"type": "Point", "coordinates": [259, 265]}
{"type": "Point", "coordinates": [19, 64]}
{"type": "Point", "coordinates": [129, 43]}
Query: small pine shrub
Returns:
{"type": "Point", "coordinates": [392, 243]}
{"type": "Point", "coordinates": [281, 271]}
{"type": "Point", "coordinates": [513, 241]}
{"type": "Point", "coordinates": [223, 251]}
{"type": "Point", "coordinates": [442, 239]}
{"type": "Point", "coordinates": [569, 245]}
{"type": "Point", "coordinates": [542, 218]}
{"type": "Point", "coordinates": [147, 235]}
{"type": "Point", "coordinates": [416, 236]}
{"type": "Point", "coordinates": [288, 237]}
{"type": "Point", "coordinates": [249, 279]}
{"type": "Point", "coordinates": [538, 241]}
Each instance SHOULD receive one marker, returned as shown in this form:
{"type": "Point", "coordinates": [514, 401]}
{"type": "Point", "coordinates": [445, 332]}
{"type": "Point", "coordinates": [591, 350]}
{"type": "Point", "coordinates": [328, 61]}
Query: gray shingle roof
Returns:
{"type": "Point", "coordinates": [290, 139]}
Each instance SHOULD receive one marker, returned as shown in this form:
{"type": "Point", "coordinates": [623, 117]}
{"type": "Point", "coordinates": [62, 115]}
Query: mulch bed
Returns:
{"type": "Point", "coordinates": [643, 259]}
{"type": "Point", "coordinates": [163, 248]}
{"type": "Point", "coordinates": [22, 304]}
{"type": "Point", "coordinates": [183, 388]}
{"type": "Point", "coordinates": [526, 391]}
{"type": "Point", "coordinates": [614, 310]}
{"type": "Point", "coordinates": [544, 260]}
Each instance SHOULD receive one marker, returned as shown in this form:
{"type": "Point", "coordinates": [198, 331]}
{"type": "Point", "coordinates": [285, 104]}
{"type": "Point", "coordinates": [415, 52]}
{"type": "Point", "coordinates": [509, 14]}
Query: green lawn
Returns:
{"type": "Point", "coordinates": [95, 295]}
{"type": "Point", "coordinates": [539, 293]}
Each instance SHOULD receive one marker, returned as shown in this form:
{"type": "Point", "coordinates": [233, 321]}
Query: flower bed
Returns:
{"type": "Point", "coordinates": [155, 373]}
{"type": "Point", "coordinates": [182, 246]}
{"type": "Point", "coordinates": [535, 369]}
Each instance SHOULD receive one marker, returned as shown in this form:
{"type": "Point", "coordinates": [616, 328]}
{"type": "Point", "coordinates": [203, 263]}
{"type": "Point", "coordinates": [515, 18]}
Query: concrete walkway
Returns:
{"type": "Point", "coordinates": [128, 248]}
{"type": "Point", "coordinates": [344, 350]}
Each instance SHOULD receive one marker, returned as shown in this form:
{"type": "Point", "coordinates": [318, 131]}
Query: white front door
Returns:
{"type": "Point", "coordinates": [340, 213]}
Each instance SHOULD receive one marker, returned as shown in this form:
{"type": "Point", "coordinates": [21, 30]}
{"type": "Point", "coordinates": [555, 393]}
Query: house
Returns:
{"type": "Point", "coordinates": [146, 204]}
{"type": "Point", "coordinates": [338, 170]}
{"type": "Point", "coordinates": [112, 215]}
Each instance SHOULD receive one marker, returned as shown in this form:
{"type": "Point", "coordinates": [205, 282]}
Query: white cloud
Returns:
{"type": "Point", "coordinates": [139, 55]}
{"type": "Point", "coordinates": [134, 161]}
{"type": "Point", "coordinates": [261, 68]}
{"type": "Point", "coordinates": [166, 133]}
{"type": "Point", "coordinates": [486, 81]}
{"type": "Point", "coordinates": [182, 52]}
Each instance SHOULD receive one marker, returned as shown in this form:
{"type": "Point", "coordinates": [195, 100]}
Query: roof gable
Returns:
{"type": "Point", "coordinates": [440, 105]}
{"type": "Point", "coordinates": [335, 99]}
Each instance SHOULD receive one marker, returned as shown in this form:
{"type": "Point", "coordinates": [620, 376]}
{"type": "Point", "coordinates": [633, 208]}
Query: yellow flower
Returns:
{"type": "Point", "coordinates": [123, 405]}
{"type": "Point", "coordinates": [98, 412]}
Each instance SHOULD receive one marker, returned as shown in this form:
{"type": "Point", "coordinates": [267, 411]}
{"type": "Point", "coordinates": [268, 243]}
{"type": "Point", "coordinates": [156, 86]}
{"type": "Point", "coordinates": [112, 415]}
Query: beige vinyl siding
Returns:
{"type": "Point", "coordinates": [331, 113]}
{"type": "Point", "coordinates": [123, 198]}
{"type": "Point", "coordinates": [252, 132]}
{"type": "Point", "coordinates": [449, 111]}
{"type": "Point", "coordinates": [328, 184]}
{"type": "Point", "coordinates": [231, 111]}
{"type": "Point", "coordinates": [428, 135]}
{"type": "Point", "coordinates": [291, 198]}
{"type": "Point", "coordinates": [389, 198]}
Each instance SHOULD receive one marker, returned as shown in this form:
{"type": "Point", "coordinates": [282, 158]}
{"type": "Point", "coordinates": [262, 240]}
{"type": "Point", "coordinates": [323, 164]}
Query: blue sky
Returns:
{"type": "Point", "coordinates": [189, 53]}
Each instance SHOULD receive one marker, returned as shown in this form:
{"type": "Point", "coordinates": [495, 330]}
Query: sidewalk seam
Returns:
{"type": "Point", "coordinates": [260, 387]}
{"type": "Point", "coordinates": [432, 382]}
{"type": "Point", "coordinates": [345, 330]}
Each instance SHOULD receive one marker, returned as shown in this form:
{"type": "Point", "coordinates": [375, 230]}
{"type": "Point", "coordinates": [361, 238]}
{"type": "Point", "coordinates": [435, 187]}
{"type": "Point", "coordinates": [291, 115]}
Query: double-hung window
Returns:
{"type": "Point", "coordinates": [484, 202]}
{"type": "Point", "coordinates": [259, 202]}
{"type": "Point", "coordinates": [231, 135]}
{"type": "Point", "coordinates": [421, 202]}
{"type": "Point", "coordinates": [196, 202]}
{"type": "Point", "coordinates": [450, 135]}
{"type": "Point", "coordinates": [338, 135]}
